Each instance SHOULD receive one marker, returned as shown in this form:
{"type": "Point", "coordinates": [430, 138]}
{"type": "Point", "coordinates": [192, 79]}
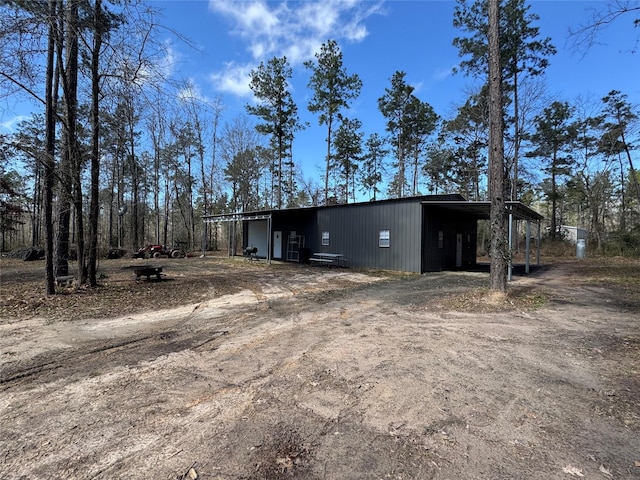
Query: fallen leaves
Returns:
{"type": "Point", "coordinates": [573, 471]}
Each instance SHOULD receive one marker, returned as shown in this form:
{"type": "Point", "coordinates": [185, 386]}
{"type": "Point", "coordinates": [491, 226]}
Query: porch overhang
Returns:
{"type": "Point", "coordinates": [482, 210]}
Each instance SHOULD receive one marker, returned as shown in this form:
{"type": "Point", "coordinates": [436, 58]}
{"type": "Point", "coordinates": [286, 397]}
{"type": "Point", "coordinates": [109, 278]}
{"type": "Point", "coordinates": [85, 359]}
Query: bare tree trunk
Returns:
{"type": "Point", "coordinates": [167, 202]}
{"type": "Point", "coordinates": [217, 114]}
{"type": "Point", "coordinates": [554, 199]}
{"type": "Point", "coordinates": [328, 161]}
{"type": "Point", "coordinates": [499, 254]}
{"type": "Point", "coordinates": [71, 115]}
{"type": "Point", "coordinates": [623, 200]}
{"type": "Point", "coordinates": [156, 176]}
{"type": "Point", "coordinates": [36, 204]}
{"type": "Point", "coordinates": [50, 151]}
{"type": "Point", "coordinates": [135, 174]}
{"type": "Point", "coordinates": [64, 170]}
{"type": "Point", "coordinates": [94, 209]}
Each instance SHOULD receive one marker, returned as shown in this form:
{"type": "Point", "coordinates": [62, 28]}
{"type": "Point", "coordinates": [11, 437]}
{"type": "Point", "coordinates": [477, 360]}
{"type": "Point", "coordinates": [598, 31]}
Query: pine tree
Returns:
{"type": "Point", "coordinates": [277, 109]}
{"type": "Point", "coordinates": [333, 89]}
{"type": "Point", "coordinates": [553, 142]}
{"type": "Point", "coordinates": [523, 54]}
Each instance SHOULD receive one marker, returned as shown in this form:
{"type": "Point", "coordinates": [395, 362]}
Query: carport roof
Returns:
{"type": "Point", "coordinates": [482, 210]}
{"type": "Point", "coordinates": [235, 217]}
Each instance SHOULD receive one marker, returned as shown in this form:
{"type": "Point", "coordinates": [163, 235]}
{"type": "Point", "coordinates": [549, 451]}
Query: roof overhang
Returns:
{"type": "Point", "coordinates": [482, 210]}
{"type": "Point", "coordinates": [235, 217]}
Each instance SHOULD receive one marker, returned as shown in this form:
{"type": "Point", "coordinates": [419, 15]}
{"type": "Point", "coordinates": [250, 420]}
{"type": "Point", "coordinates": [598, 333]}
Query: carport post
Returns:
{"type": "Point", "coordinates": [204, 238]}
{"type": "Point", "coordinates": [527, 247]}
{"type": "Point", "coordinates": [510, 267]}
{"type": "Point", "coordinates": [269, 227]}
{"type": "Point", "coordinates": [538, 242]}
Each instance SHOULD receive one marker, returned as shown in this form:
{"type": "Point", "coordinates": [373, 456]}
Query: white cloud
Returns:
{"type": "Point", "coordinates": [250, 15]}
{"type": "Point", "coordinates": [296, 30]}
{"type": "Point", "coordinates": [11, 124]}
{"type": "Point", "coordinates": [233, 79]}
{"type": "Point", "coordinates": [417, 87]}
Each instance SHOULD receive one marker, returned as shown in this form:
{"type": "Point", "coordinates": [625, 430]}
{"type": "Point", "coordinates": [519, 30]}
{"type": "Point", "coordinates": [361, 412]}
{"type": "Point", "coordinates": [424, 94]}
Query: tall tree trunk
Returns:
{"type": "Point", "coordinates": [554, 199]}
{"type": "Point", "coordinates": [71, 114]}
{"type": "Point", "coordinates": [64, 170]}
{"type": "Point", "coordinates": [516, 152]}
{"type": "Point", "coordinates": [94, 209]}
{"type": "Point", "coordinates": [167, 203]}
{"type": "Point", "coordinates": [213, 227]}
{"type": "Point", "coordinates": [36, 205]}
{"type": "Point", "coordinates": [50, 134]}
{"type": "Point", "coordinates": [135, 180]}
{"type": "Point", "coordinates": [623, 199]}
{"type": "Point", "coordinates": [156, 184]}
{"type": "Point", "coordinates": [516, 138]}
{"type": "Point", "coordinates": [499, 254]}
{"type": "Point", "coordinates": [328, 163]}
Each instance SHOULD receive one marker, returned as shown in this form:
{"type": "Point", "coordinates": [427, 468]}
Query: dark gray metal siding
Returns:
{"type": "Point", "coordinates": [354, 232]}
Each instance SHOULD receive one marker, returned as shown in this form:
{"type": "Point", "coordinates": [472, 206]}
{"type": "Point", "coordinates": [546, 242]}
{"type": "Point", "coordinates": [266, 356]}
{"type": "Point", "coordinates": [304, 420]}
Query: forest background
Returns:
{"type": "Point", "coordinates": [122, 152]}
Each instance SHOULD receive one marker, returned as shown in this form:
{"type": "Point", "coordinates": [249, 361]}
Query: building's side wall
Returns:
{"type": "Point", "coordinates": [354, 231]}
{"type": "Point", "coordinates": [573, 234]}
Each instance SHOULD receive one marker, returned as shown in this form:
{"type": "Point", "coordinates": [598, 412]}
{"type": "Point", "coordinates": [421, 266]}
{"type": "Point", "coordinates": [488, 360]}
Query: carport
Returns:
{"type": "Point", "coordinates": [516, 211]}
{"type": "Point", "coordinates": [234, 218]}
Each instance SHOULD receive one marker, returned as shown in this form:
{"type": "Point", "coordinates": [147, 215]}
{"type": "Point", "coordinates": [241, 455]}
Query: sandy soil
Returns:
{"type": "Point", "coordinates": [247, 371]}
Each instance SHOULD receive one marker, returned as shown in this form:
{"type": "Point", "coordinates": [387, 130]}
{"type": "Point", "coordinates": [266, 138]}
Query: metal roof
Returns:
{"type": "Point", "coordinates": [479, 210]}
{"type": "Point", "coordinates": [235, 217]}
{"type": "Point", "coordinates": [267, 213]}
{"type": "Point", "coordinates": [482, 210]}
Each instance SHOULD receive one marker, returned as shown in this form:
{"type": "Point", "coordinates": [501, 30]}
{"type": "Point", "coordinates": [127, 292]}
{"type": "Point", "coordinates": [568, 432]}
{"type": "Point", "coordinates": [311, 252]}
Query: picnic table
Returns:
{"type": "Point", "coordinates": [328, 259]}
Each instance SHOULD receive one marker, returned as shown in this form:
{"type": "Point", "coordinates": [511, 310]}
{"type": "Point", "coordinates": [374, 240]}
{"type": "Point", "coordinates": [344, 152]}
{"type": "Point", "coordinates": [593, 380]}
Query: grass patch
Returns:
{"type": "Point", "coordinates": [482, 300]}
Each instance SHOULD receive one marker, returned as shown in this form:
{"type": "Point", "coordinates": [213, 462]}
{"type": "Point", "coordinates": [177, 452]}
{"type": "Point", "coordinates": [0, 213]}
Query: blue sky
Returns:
{"type": "Point", "coordinates": [377, 38]}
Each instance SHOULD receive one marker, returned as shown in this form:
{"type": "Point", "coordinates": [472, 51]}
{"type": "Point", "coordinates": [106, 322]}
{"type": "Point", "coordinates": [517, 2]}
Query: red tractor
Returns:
{"type": "Point", "coordinates": [157, 251]}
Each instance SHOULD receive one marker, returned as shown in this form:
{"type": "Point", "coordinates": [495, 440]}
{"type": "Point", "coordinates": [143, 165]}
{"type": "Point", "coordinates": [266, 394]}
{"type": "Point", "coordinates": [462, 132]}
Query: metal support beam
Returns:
{"type": "Point", "coordinates": [269, 235]}
{"type": "Point", "coordinates": [510, 264]}
{"type": "Point", "coordinates": [539, 237]}
{"type": "Point", "coordinates": [527, 247]}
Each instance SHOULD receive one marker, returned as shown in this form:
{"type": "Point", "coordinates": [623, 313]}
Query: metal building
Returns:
{"type": "Point", "coordinates": [415, 234]}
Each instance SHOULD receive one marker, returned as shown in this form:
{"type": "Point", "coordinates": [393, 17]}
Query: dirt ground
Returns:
{"type": "Point", "coordinates": [228, 369]}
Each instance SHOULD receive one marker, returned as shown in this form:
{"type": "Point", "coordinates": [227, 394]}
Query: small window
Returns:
{"type": "Point", "coordinates": [440, 239]}
{"type": "Point", "coordinates": [383, 239]}
{"type": "Point", "coordinates": [325, 238]}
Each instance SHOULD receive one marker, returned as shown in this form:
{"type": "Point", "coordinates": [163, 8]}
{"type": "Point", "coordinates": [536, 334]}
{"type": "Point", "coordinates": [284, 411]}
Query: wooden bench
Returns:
{"type": "Point", "coordinates": [321, 261]}
{"type": "Point", "coordinates": [148, 271]}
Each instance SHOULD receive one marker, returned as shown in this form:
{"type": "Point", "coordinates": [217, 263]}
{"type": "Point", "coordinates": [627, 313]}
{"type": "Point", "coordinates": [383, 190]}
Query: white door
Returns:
{"type": "Point", "coordinates": [277, 244]}
{"type": "Point", "coordinates": [458, 250]}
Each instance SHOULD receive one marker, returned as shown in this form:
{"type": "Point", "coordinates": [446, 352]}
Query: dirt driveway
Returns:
{"type": "Point", "coordinates": [238, 370]}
